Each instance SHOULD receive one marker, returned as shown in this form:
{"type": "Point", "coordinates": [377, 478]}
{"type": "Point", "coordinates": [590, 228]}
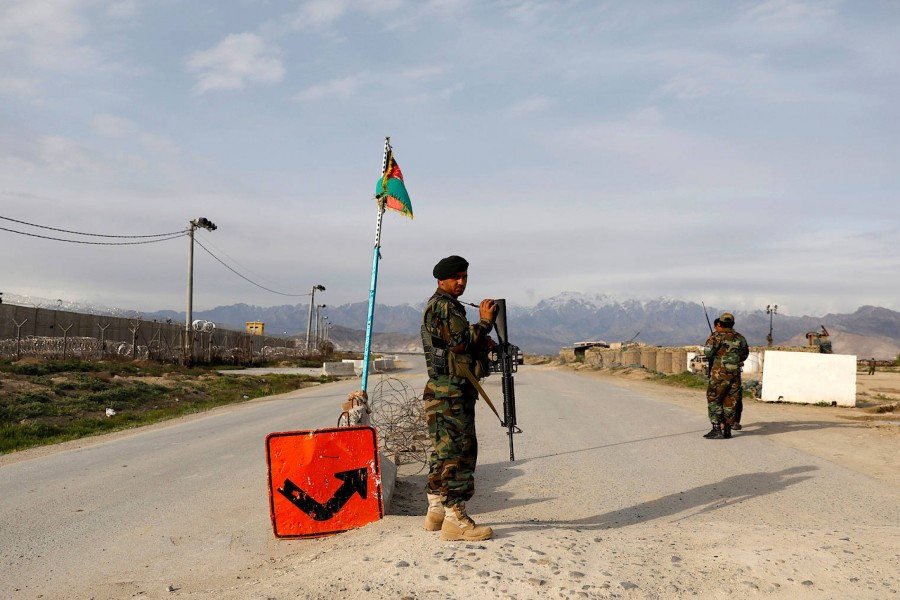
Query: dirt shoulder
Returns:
{"type": "Point", "coordinates": [860, 438]}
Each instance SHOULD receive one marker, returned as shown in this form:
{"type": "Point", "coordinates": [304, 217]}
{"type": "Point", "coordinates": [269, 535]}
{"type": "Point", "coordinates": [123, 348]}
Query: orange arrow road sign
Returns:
{"type": "Point", "coordinates": [323, 481]}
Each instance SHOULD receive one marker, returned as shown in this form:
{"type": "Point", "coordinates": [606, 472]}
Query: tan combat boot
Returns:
{"type": "Point", "coordinates": [458, 525]}
{"type": "Point", "coordinates": [434, 518]}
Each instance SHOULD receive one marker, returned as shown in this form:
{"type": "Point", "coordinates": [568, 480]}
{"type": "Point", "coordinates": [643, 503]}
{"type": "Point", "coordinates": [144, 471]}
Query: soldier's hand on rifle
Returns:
{"type": "Point", "coordinates": [487, 310]}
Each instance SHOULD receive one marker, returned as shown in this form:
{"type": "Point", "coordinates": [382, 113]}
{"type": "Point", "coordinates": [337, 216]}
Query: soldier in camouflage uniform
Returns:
{"type": "Point", "coordinates": [726, 351]}
{"type": "Point", "coordinates": [450, 398]}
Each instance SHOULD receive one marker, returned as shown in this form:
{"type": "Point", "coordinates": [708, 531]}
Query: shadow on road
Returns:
{"type": "Point", "coordinates": [776, 427]}
{"type": "Point", "coordinates": [600, 447]}
{"type": "Point", "coordinates": [696, 501]}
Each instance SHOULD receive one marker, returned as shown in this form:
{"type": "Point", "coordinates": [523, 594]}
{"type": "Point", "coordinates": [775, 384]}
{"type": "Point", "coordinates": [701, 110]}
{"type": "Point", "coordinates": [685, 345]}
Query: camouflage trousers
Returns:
{"type": "Point", "coordinates": [451, 466]}
{"type": "Point", "coordinates": [723, 399]}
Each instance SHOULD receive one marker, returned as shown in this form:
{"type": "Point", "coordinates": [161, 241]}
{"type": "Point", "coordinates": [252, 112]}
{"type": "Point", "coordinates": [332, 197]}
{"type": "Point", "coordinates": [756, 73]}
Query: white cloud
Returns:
{"type": "Point", "coordinates": [343, 88]}
{"type": "Point", "coordinates": [234, 62]}
{"type": "Point", "coordinates": [788, 12]}
{"type": "Point", "coordinates": [319, 12]}
{"type": "Point", "coordinates": [113, 126]}
{"type": "Point", "coordinates": [421, 73]}
{"type": "Point", "coordinates": [531, 105]}
{"type": "Point", "coordinates": [63, 154]}
{"type": "Point", "coordinates": [687, 88]}
{"type": "Point", "coordinates": [159, 145]}
{"type": "Point", "coordinates": [12, 86]}
{"type": "Point", "coordinates": [123, 9]}
{"type": "Point", "coordinates": [51, 33]}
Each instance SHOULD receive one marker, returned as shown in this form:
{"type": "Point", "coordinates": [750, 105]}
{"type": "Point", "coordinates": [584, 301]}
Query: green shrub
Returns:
{"type": "Point", "coordinates": [685, 379]}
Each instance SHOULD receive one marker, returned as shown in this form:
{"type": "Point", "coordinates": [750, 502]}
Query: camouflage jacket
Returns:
{"type": "Point", "coordinates": [444, 324]}
{"type": "Point", "coordinates": [726, 350]}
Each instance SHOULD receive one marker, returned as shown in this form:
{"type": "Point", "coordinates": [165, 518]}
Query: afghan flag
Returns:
{"type": "Point", "coordinates": [391, 186]}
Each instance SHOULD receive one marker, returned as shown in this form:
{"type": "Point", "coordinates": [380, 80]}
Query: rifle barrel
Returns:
{"type": "Point", "coordinates": [707, 317]}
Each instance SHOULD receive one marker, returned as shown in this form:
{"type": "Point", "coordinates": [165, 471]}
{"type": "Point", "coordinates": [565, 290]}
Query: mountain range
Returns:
{"type": "Point", "coordinates": [573, 317]}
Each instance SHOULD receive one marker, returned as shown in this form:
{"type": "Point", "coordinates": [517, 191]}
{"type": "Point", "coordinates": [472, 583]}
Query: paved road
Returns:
{"type": "Point", "coordinates": [620, 487]}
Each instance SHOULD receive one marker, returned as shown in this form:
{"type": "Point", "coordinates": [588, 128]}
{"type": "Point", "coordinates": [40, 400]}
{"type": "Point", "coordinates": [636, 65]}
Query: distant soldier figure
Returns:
{"type": "Point", "coordinates": [451, 346]}
{"type": "Point", "coordinates": [726, 351]}
{"type": "Point", "coordinates": [872, 366]}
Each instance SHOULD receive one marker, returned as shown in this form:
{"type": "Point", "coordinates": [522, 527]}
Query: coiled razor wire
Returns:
{"type": "Point", "coordinates": [399, 415]}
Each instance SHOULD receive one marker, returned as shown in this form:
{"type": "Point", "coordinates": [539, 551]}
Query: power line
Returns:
{"type": "Point", "coordinates": [224, 264]}
{"type": "Point", "coordinates": [46, 237]}
{"type": "Point", "coordinates": [155, 235]}
{"type": "Point", "coordinates": [232, 260]}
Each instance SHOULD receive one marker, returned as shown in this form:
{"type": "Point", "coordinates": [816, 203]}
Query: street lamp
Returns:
{"type": "Point", "coordinates": [312, 301]}
{"type": "Point", "coordinates": [770, 310]}
{"type": "Point", "coordinates": [318, 306]}
{"type": "Point", "coordinates": [202, 223]}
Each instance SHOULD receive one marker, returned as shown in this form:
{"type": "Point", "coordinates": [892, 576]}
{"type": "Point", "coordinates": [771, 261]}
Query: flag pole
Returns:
{"type": "Point", "coordinates": [375, 258]}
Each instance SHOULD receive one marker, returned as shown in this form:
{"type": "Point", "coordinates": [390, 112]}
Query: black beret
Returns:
{"type": "Point", "coordinates": [450, 266]}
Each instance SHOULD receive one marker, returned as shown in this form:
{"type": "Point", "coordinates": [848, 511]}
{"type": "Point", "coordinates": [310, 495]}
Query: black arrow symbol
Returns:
{"type": "Point", "coordinates": [355, 482]}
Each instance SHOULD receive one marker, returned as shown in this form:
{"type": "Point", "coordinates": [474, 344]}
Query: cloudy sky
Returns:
{"type": "Point", "coordinates": [741, 153]}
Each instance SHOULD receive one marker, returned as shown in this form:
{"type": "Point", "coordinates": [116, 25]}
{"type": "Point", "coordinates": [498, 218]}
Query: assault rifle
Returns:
{"type": "Point", "coordinates": [504, 360]}
{"type": "Point", "coordinates": [708, 362]}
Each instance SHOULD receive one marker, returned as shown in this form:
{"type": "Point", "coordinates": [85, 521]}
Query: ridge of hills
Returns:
{"type": "Point", "coordinates": [553, 323]}
{"type": "Point", "coordinates": [573, 317]}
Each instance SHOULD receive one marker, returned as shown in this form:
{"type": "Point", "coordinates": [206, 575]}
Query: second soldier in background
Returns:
{"type": "Point", "coordinates": [726, 351]}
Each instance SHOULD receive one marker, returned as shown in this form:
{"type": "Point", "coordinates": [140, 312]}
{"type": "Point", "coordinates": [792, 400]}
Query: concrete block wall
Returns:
{"type": "Point", "coordinates": [648, 358]}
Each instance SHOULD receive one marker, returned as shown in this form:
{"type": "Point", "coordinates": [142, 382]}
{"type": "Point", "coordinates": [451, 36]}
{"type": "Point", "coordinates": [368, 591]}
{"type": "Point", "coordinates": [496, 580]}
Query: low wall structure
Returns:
{"type": "Point", "coordinates": [807, 378]}
{"type": "Point", "coordinates": [631, 358]}
{"type": "Point", "coordinates": [664, 361]}
{"type": "Point", "coordinates": [382, 363]}
{"type": "Point", "coordinates": [337, 369]}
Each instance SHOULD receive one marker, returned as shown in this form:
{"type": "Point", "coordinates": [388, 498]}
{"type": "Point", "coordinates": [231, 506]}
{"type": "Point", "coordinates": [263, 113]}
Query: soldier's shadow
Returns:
{"type": "Point", "coordinates": [777, 427]}
{"type": "Point", "coordinates": [696, 501]}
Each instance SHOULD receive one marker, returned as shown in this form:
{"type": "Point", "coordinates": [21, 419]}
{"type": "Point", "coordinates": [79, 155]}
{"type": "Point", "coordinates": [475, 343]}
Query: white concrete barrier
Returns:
{"type": "Point", "coordinates": [388, 480]}
{"type": "Point", "coordinates": [808, 378]}
{"type": "Point", "coordinates": [376, 365]}
{"type": "Point", "coordinates": [337, 369]}
{"type": "Point", "coordinates": [753, 363]}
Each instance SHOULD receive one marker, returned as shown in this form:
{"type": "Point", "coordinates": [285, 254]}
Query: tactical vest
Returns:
{"type": "Point", "coordinates": [441, 361]}
{"type": "Point", "coordinates": [435, 348]}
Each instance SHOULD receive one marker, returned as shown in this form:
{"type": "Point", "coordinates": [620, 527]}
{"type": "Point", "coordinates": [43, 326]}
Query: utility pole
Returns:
{"type": "Point", "coordinates": [188, 333]}
{"type": "Point", "coordinates": [770, 310]}
{"type": "Point", "coordinates": [312, 302]}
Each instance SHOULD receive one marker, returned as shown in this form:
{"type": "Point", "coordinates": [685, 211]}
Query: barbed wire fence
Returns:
{"type": "Point", "coordinates": [398, 414]}
{"type": "Point", "coordinates": [85, 336]}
